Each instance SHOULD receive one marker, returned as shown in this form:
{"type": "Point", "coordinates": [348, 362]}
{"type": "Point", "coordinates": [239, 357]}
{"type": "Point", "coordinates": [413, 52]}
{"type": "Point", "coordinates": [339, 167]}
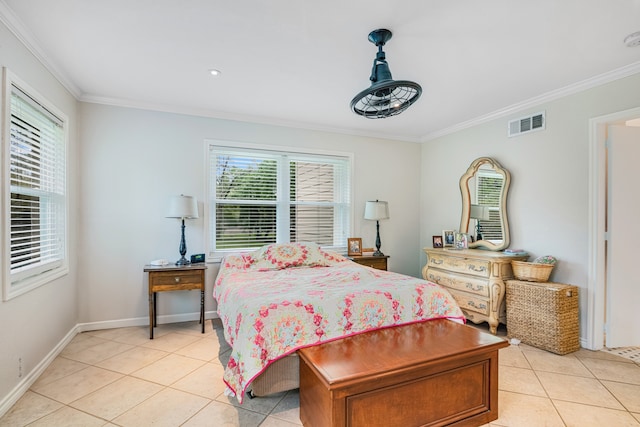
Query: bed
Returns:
{"type": "Point", "coordinates": [285, 297]}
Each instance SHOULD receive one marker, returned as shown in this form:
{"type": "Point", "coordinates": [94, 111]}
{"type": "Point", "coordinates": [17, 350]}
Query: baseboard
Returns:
{"type": "Point", "coordinates": [144, 321]}
{"type": "Point", "coordinates": [21, 388]}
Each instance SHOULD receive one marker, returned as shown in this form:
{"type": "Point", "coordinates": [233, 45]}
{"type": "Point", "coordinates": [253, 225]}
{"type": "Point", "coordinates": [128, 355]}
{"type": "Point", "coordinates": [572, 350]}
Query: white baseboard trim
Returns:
{"type": "Point", "coordinates": [144, 321]}
{"type": "Point", "coordinates": [21, 388]}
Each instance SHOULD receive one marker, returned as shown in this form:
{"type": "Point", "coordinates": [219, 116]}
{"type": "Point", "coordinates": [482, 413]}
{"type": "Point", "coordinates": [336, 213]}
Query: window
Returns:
{"type": "Point", "coordinates": [35, 190]}
{"type": "Point", "coordinates": [261, 196]}
{"type": "Point", "coordinates": [489, 191]}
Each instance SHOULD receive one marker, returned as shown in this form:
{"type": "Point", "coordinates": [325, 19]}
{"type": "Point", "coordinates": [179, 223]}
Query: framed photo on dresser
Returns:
{"type": "Point", "coordinates": [437, 241]}
{"type": "Point", "coordinates": [448, 238]}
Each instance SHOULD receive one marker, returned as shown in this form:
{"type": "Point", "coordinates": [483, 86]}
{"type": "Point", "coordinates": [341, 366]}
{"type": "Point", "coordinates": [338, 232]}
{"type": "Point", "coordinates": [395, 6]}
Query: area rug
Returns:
{"type": "Point", "coordinates": [632, 353]}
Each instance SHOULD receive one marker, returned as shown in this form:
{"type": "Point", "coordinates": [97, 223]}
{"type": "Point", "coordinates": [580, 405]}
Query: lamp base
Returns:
{"type": "Point", "coordinates": [378, 253]}
{"type": "Point", "coordinates": [183, 261]}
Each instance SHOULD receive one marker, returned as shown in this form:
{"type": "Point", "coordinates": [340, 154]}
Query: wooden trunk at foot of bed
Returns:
{"type": "Point", "coordinates": [434, 373]}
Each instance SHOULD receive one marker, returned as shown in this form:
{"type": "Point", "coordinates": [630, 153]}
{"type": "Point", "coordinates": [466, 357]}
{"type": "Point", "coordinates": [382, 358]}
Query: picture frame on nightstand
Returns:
{"type": "Point", "coordinates": [354, 246]}
{"type": "Point", "coordinates": [437, 241]}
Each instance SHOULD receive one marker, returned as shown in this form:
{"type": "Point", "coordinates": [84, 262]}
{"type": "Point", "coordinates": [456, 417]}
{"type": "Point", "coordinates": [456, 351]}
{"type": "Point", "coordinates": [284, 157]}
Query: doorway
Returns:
{"type": "Point", "coordinates": [597, 283]}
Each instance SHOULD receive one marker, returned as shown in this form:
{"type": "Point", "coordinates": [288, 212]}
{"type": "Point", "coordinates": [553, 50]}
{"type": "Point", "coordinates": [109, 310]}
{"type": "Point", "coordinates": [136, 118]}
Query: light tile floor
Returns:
{"type": "Point", "coordinates": [119, 377]}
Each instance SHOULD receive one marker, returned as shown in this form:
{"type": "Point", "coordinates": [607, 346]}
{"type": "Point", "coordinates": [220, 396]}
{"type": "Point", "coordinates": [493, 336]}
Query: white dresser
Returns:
{"type": "Point", "coordinates": [475, 278]}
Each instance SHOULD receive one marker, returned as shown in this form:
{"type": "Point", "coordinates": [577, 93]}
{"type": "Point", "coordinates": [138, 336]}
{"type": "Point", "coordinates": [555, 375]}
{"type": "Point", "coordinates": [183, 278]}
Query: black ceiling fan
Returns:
{"type": "Point", "coordinates": [385, 97]}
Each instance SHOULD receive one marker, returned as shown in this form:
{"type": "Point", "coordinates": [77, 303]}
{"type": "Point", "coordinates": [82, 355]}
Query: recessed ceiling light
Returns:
{"type": "Point", "coordinates": [215, 72]}
{"type": "Point", "coordinates": [633, 39]}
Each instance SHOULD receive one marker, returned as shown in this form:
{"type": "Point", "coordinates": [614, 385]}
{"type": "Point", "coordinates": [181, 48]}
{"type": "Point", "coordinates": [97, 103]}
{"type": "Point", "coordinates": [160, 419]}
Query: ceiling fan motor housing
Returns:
{"type": "Point", "coordinates": [385, 97]}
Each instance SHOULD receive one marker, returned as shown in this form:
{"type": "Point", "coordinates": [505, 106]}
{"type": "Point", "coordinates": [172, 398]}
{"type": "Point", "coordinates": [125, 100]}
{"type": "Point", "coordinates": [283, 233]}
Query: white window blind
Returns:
{"type": "Point", "coordinates": [37, 192]}
{"type": "Point", "coordinates": [489, 189]}
{"type": "Point", "coordinates": [261, 196]}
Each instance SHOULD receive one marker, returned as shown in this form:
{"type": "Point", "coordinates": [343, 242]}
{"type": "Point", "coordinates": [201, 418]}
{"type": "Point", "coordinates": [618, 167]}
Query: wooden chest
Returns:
{"type": "Point", "coordinates": [433, 373]}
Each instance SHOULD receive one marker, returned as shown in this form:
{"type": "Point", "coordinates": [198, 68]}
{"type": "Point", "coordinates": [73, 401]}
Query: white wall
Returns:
{"type": "Point", "coordinates": [32, 324]}
{"type": "Point", "coordinates": [548, 200]}
{"type": "Point", "coordinates": [133, 160]}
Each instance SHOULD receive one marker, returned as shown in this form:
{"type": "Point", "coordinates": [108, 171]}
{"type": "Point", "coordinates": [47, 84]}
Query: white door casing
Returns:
{"type": "Point", "coordinates": [623, 206]}
{"type": "Point", "coordinates": [595, 309]}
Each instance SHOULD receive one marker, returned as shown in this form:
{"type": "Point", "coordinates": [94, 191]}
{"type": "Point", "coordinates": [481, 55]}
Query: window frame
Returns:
{"type": "Point", "coordinates": [214, 255]}
{"type": "Point", "coordinates": [18, 284]}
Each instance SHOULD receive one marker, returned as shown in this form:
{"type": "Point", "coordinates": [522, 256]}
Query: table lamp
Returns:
{"type": "Point", "coordinates": [376, 211]}
{"type": "Point", "coordinates": [479, 213]}
{"type": "Point", "coordinates": [183, 207]}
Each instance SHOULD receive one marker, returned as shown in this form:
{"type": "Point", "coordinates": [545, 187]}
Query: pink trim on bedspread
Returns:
{"type": "Point", "coordinates": [269, 314]}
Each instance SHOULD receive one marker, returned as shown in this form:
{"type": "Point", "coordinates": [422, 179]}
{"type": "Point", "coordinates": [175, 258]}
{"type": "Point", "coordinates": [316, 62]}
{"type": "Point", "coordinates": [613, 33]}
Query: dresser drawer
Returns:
{"type": "Point", "coordinates": [474, 267]}
{"type": "Point", "coordinates": [460, 282]}
{"type": "Point", "coordinates": [378, 262]}
{"type": "Point", "coordinates": [470, 302]}
{"type": "Point", "coordinates": [158, 280]}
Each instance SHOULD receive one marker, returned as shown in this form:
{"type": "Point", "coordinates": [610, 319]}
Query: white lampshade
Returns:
{"type": "Point", "coordinates": [479, 212]}
{"type": "Point", "coordinates": [183, 207]}
{"type": "Point", "coordinates": [376, 210]}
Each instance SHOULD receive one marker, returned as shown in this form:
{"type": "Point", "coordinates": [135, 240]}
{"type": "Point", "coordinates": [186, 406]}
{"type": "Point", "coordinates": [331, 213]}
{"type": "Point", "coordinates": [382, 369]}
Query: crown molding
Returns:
{"type": "Point", "coordinates": [571, 89]}
{"type": "Point", "coordinates": [22, 33]}
{"type": "Point", "coordinates": [268, 121]}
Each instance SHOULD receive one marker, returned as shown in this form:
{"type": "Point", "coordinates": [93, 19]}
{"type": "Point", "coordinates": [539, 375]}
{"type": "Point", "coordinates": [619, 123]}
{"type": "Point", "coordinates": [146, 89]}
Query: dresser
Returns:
{"type": "Point", "coordinates": [475, 278]}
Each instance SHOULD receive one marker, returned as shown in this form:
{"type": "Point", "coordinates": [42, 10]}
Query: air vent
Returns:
{"type": "Point", "coordinates": [526, 124]}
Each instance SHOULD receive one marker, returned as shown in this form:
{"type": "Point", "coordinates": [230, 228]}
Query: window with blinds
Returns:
{"type": "Point", "coordinates": [36, 196]}
{"type": "Point", "coordinates": [489, 189]}
{"type": "Point", "coordinates": [263, 196]}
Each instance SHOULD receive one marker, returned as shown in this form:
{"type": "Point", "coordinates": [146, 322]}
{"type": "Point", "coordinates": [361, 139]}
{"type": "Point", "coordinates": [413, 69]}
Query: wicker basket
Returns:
{"type": "Point", "coordinates": [530, 271]}
{"type": "Point", "coordinates": [544, 315]}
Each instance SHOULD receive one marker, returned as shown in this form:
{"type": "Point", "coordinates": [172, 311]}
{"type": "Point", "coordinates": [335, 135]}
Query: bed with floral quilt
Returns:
{"type": "Point", "coordinates": [284, 297]}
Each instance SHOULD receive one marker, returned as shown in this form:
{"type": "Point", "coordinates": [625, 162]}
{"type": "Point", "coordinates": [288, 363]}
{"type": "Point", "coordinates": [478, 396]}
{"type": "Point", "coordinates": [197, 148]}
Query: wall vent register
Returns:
{"type": "Point", "coordinates": [527, 124]}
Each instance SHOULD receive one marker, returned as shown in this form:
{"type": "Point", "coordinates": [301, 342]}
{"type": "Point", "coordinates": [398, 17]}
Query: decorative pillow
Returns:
{"type": "Point", "coordinates": [238, 262]}
{"type": "Point", "coordinates": [284, 255]}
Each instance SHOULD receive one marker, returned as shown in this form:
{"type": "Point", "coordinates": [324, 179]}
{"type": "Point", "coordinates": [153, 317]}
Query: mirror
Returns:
{"type": "Point", "coordinates": [484, 190]}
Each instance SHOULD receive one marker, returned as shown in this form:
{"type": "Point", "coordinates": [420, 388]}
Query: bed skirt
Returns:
{"type": "Point", "coordinates": [281, 375]}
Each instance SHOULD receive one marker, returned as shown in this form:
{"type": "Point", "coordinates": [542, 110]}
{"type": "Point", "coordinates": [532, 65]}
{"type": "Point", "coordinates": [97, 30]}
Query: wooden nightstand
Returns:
{"type": "Point", "coordinates": [173, 277]}
{"type": "Point", "coordinates": [379, 262]}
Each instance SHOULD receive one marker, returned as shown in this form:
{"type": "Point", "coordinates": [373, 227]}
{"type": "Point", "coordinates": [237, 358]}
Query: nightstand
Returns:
{"type": "Point", "coordinates": [173, 277]}
{"type": "Point", "coordinates": [379, 262]}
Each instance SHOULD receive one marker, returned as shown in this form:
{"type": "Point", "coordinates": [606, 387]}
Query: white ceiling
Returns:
{"type": "Point", "coordinates": [300, 62]}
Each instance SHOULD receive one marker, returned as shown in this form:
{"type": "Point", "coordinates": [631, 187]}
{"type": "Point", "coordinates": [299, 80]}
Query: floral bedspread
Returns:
{"type": "Point", "coordinates": [269, 313]}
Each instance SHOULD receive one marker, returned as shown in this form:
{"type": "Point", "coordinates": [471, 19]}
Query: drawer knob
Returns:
{"type": "Point", "coordinates": [177, 279]}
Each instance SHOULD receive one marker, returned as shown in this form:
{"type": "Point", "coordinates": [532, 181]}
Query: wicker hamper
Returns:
{"type": "Point", "coordinates": [544, 315]}
{"type": "Point", "coordinates": [531, 271]}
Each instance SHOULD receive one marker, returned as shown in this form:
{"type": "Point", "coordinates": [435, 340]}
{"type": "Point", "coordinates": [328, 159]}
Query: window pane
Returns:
{"type": "Point", "coordinates": [312, 182]}
{"type": "Point", "coordinates": [245, 178]}
{"type": "Point", "coordinates": [244, 226]}
{"type": "Point", "coordinates": [312, 224]}
{"type": "Point", "coordinates": [25, 226]}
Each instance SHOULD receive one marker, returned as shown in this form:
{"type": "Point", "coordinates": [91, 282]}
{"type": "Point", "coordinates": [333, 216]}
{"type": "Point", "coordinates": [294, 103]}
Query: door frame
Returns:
{"type": "Point", "coordinates": [596, 290]}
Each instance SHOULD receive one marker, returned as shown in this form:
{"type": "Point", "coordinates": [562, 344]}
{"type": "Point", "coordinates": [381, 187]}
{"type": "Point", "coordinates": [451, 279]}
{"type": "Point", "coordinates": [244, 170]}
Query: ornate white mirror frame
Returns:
{"type": "Point", "coordinates": [486, 163]}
